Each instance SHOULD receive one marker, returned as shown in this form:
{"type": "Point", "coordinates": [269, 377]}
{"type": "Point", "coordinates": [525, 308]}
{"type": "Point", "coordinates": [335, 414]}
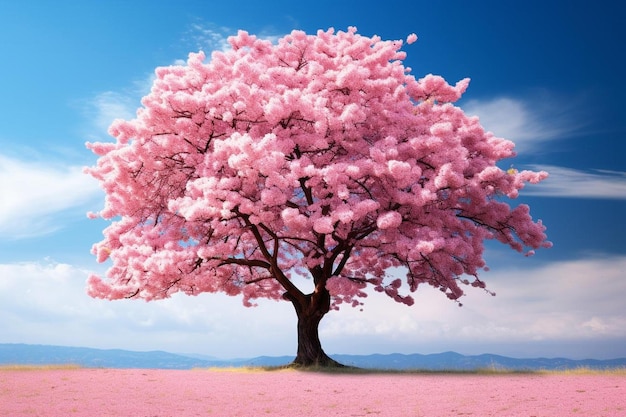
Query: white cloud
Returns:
{"type": "Point", "coordinates": [572, 308]}
{"type": "Point", "coordinates": [569, 304]}
{"type": "Point", "coordinates": [37, 197]}
{"type": "Point", "coordinates": [47, 303]}
{"type": "Point", "coordinates": [529, 124]}
{"type": "Point", "coordinates": [566, 182]}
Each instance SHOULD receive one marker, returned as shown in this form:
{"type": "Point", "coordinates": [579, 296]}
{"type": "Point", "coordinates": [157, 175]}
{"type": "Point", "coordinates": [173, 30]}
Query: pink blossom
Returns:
{"type": "Point", "coordinates": [389, 220]}
{"type": "Point", "coordinates": [399, 169]}
{"type": "Point", "coordinates": [323, 225]}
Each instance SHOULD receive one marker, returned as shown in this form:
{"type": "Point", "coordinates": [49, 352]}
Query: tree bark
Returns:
{"type": "Point", "coordinates": [310, 313]}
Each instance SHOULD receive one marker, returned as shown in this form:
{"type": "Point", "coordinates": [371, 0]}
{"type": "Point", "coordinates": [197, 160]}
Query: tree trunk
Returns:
{"type": "Point", "coordinates": [310, 352]}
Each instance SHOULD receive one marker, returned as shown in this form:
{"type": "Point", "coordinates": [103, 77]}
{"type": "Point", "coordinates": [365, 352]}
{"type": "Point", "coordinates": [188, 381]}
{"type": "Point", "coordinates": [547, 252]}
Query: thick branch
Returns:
{"type": "Point", "coordinates": [344, 260]}
{"type": "Point", "coordinates": [246, 262]}
{"type": "Point", "coordinates": [272, 259]}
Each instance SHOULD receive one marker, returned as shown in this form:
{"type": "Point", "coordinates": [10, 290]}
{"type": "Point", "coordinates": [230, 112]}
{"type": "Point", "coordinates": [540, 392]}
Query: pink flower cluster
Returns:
{"type": "Point", "coordinates": [321, 156]}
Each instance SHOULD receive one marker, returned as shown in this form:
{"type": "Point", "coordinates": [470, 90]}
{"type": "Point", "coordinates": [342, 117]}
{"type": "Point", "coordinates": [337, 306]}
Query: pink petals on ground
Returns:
{"type": "Point", "coordinates": [164, 393]}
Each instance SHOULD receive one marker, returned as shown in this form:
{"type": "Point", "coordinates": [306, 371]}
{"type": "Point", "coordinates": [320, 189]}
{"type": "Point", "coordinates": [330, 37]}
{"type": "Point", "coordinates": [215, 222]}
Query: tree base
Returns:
{"type": "Point", "coordinates": [324, 362]}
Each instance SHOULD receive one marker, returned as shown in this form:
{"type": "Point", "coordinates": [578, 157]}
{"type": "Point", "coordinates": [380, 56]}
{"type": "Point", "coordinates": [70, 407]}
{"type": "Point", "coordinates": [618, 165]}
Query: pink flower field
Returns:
{"type": "Point", "coordinates": [247, 393]}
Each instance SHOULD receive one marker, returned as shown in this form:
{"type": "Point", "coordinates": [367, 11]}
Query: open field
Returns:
{"type": "Point", "coordinates": [73, 391]}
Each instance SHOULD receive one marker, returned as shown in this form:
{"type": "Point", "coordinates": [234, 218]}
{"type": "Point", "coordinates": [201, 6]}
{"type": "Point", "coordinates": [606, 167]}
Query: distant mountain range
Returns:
{"type": "Point", "coordinates": [24, 354]}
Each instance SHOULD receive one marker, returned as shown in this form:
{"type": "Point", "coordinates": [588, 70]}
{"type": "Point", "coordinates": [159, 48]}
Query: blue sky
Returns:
{"type": "Point", "coordinates": [546, 74]}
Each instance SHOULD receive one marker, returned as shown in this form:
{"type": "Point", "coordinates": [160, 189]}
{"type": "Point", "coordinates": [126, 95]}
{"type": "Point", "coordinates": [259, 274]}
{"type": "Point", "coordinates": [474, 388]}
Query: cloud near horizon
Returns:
{"type": "Point", "coordinates": [570, 304]}
{"type": "Point", "coordinates": [575, 302]}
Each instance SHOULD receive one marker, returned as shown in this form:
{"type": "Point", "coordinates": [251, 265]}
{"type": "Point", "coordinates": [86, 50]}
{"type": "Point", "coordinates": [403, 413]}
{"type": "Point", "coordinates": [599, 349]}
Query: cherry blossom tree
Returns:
{"type": "Point", "coordinates": [306, 170]}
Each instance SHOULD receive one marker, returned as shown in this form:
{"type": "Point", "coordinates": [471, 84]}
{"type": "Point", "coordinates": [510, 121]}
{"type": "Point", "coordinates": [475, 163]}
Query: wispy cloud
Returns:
{"type": "Point", "coordinates": [532, 123]}
{"type": "Point", "coordinates": [102, 109]}
{"type": "Point", "coordinates": [209, 37]}
{"type": "Point", "coordinates": [573, 183]}
{"type": "Point", "coordinates": [37, 197]}
{"type": "Point", "coordinates": [528, 123]}
{"type": "Point", "coordinates": [111, 105]}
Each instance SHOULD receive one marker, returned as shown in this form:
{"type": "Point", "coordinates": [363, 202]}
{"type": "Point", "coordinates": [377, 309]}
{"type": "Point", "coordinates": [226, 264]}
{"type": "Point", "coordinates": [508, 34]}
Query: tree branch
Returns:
{"type": "Point", "coordinates": [246, 262]}
{"type": "Point", "coordinates": [272, 260]}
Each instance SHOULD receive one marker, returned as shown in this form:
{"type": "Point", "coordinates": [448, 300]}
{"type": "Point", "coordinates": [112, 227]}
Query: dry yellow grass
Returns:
{"type": "Point", "coordinates": [483, 371]}
{"type": "Point", "coordinates": [242, 369]}
{"type": "Point", "coordinates": [620, 371]}
{"type": "Point", "coordinates": [587, 371]}
{"type": "Point", "coordinates": [18, 367]}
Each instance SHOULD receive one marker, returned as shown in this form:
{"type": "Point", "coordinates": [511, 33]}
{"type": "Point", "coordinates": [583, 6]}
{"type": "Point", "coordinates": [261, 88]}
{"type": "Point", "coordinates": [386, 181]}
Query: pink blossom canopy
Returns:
{"type": "Point", "coordinates": [318, 157]}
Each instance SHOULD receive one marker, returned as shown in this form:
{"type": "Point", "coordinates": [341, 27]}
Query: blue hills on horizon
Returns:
{"type": "Point", "coordinates": [28, 354]}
